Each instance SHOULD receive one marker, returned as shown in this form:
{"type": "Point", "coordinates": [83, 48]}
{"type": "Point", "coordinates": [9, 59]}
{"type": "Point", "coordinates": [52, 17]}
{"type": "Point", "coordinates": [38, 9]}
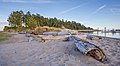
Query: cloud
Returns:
{"type": "Point", "coordinates": [73, 8]}
{"type": "Point", "coordinates": [4, 23]}
{"type": "Point", "coordinates": [98, 9]}
{"type": "Point", "coordinates": [28, 1]}
{"type": "Point", "coordinates": [115, 11]}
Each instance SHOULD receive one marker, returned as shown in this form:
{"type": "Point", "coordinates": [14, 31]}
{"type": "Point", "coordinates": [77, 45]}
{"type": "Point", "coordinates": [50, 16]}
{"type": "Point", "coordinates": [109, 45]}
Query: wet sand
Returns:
{"type": "Point", "coordinates": [19, 52]}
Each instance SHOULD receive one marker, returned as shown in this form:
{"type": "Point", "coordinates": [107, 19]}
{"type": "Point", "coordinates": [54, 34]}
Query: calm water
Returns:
{"type": "Point", "coordinates": [112, 35]}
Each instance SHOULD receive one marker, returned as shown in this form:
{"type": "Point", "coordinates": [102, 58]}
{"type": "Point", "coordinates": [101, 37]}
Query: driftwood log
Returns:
{"type": "Point", "coordinates": [88, 49]}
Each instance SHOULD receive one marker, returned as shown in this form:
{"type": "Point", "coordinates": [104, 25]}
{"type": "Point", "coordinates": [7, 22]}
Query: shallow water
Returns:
{"type": "Point", "coordinates": [112, 35]}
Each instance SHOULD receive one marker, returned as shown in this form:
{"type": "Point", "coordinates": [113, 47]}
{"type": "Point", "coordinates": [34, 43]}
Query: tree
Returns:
{"type": "Point", "coordinates": [31, 22]}
{"type": "Point", "coordinates": [16, 18]}
{"type": "Point", "coordinates": [37, 18]}
{"type": "Point", "coordinates": [26, 18]}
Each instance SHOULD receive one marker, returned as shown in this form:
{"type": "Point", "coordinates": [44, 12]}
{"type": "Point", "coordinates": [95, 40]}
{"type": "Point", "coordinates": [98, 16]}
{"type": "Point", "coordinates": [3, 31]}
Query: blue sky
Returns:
{"type": "Point", "coordinates": [93, 13]}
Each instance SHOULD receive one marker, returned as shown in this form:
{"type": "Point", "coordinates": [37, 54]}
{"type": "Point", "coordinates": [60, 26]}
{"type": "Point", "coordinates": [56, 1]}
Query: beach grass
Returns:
{"type": "Point", "coordinates": [4, 36]}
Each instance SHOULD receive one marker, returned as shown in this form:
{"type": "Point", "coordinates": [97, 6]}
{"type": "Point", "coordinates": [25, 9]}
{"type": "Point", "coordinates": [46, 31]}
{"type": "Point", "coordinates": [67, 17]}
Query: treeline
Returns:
{"type": "Point", "coordinates": [19, 19]}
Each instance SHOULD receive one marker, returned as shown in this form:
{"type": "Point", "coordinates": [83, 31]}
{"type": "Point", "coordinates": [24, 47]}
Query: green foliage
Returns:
{"type": "Point", "coordinates": [15, 19]}
{"type": "Point", "coordinates": [4, 36]}
{"type": "Point", "coordinates": [6, 28]}
{"type": "Point", "coordinates": [32, 23]}
{"type": "Point", "coordinates": [18, 20]}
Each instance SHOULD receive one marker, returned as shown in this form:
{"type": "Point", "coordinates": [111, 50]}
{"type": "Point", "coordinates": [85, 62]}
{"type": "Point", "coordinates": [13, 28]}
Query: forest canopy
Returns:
{"type": "Point", "coordinates": [19, 20]}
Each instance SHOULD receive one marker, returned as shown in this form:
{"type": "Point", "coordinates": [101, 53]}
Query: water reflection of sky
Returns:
{"type": "Point", "coordinates": [113, 35]}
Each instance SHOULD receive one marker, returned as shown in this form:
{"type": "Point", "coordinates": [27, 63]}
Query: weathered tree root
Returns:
{"type": "Point", "coordinates": [97, 54]}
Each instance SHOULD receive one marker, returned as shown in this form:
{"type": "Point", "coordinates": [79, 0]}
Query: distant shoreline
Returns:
{"type": "Point", "coordinates": [107, 37]}
{"type": "Point", "coordinates": [103, 36]}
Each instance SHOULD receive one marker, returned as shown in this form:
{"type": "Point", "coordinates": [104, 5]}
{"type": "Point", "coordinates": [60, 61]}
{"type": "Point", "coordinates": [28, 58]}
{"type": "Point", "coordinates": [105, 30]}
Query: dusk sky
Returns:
{"type": "Point", "coordinates": [92, 13]}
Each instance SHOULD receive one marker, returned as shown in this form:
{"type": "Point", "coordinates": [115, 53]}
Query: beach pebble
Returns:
{"type": "Point", "coordinates": [117, 64]}
{"type": "Point", "coordinates": [113, 54]}
{"type": "Point", "coordinates": [65, 58]}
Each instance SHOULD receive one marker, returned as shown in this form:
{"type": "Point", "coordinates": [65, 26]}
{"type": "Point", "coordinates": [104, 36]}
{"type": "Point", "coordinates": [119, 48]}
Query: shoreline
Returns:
{"type": "Point", "coordinates": [102, 36]}
{"type": "Point", "coordinates": [109, 37]}
{"type": "Point", "coordinates": [105, 37]}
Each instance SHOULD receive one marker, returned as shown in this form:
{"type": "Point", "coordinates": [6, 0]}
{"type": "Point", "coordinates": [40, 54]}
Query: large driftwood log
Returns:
{"type": "Point", "coordinates": [88, 48]}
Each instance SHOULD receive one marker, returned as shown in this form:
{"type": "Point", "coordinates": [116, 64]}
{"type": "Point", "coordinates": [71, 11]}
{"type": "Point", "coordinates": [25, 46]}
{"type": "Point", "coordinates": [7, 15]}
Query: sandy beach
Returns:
{"type": "Point", "coordinates": [19, 52]}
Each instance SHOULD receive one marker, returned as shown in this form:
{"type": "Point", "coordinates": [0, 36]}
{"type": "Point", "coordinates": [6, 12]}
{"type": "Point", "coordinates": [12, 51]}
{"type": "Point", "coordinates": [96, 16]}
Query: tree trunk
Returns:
{"type": "Point", "coordinates": [88, 49]}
